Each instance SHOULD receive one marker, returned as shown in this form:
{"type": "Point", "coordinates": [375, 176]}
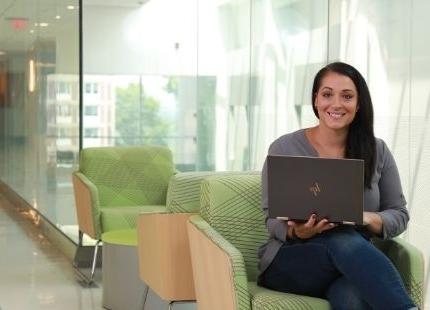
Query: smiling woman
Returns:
{"type": "Point", "coordinates": [342, 103]}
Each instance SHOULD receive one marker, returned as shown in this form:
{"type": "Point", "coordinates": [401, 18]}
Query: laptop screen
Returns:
{"type": "Point", "coordinates": [330, 188]}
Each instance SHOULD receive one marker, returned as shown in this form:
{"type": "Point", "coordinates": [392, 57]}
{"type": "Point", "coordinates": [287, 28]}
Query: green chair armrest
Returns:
{"type": "Point", "coordinates": [409, 261]}
{"type": "Point", "coordinates": [214, 259]}
{"type": "Point", "coordinates": [92, 187]}
{"type": "Point", "coordinates": [87, 205]}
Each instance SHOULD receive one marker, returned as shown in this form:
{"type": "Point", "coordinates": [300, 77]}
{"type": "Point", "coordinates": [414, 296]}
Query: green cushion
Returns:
{"type": "Point", "coordinates": [231, 206]}
{"type": "Point", "coordinates": [121, 237]}
{"type": "Point", "coordinates": [265, 299]}
{"type": "Point", "coordinates": [116, 218]}
{"type": "Point", "coordinates": [183, 195]}
{"type": "Point", "coordinates": [409, 262]}
{"type": "Point", "coordinates": [136, 175]}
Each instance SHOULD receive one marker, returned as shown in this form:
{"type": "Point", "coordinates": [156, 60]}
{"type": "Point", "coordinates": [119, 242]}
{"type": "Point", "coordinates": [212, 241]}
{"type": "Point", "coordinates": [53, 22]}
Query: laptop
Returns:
{"type": "Point", "coordinates": [330, 188]}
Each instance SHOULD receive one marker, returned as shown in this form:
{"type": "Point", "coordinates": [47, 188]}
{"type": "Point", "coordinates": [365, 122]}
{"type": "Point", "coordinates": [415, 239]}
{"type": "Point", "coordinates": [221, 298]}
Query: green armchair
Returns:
{"type": "Point", "coordinates": [224, 240]}
{"type": "Point", "coordinates": [164, 256]}
{"type": "Point", "coordinates": [115, 184]}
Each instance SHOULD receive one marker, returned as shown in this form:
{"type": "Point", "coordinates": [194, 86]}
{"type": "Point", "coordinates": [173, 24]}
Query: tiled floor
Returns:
{"type": "Point", "coordinates": [33, 273]}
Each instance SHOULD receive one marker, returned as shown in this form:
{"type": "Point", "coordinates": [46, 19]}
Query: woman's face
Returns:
{"type": "Point", "coordinates": [336, 101]}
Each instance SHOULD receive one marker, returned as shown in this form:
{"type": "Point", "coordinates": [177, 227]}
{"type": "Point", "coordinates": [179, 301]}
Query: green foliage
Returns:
{"type": "Point", "coordinates": [172, 86]}
{"type": "Point", "coordinates": [138, 119]}
{"type": "Point", "coordinates": [206, 123]}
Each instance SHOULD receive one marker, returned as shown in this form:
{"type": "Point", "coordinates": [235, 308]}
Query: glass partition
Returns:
{"type": "Point", "coordinates": [223, 85]}
{"type": "Point", "coordinates": [140, 81]}
{"type": "Point", "coordinates": [39, 103]}
{"type": "Point", "coordinates": [418, 124]}
{"type": "Point", "coordinates": [384, 40]}
{"type": "Point", "coordinates": [289, 45]}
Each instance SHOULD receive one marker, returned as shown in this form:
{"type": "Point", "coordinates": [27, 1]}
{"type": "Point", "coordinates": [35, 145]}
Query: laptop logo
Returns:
{"type": "Point", "coordinates": [315, 189]}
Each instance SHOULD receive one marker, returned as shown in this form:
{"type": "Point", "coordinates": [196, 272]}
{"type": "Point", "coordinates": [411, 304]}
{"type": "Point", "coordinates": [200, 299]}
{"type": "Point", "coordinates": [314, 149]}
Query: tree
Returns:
{"type": "Point", "coordinates": [138, 119]}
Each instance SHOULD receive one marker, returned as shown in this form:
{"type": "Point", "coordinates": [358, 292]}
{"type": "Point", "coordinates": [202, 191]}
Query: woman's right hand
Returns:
{"type": "Point", "coordinates": [311, 228]}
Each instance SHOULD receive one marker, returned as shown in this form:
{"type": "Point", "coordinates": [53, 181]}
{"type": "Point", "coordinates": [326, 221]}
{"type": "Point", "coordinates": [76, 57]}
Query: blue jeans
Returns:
{"type": "Point", "coordinates": [341, 266]}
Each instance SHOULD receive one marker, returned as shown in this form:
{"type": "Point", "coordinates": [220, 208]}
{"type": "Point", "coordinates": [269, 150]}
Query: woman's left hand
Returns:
{"type": "Point", "coordinates": [373, 222]}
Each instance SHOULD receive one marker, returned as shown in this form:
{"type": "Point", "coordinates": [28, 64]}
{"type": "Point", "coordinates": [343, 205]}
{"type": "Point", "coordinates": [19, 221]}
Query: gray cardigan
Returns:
{"type": "Point", "coordinates": [384, 197]}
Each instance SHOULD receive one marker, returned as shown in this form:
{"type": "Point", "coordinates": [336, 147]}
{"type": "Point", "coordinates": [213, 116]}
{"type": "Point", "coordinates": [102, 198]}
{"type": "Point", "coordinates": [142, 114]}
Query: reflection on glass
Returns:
{"type": "Point", "coordinates": [289, 41]}
{"type": "Point", "coordinates": [147, 95]}
{"type": "Point", "coordinates": [397, 70]}
{"type": "Point", "coordinates": [142, 110]}
{"type": "Point", "coordinates": [39, 105]}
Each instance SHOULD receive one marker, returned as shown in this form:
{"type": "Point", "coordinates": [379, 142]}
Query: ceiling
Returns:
{"type": "Point", "coordinates": [20, 19]}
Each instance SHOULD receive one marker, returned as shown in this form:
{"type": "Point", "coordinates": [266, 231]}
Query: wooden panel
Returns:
{"type": "Point", "coordinates": [84, 207]}
{"type": "Point", "coordinates": [164, 255]}
{"type": "Point", "coordinates": [213, 275]}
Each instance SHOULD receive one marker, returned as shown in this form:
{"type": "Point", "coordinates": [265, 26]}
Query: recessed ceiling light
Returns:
{"type": "Point", "coordinates": [36, 24]}
{"type": "Point", "coordinates": [57, 17]}
{"type": "Point", "coordinates": [70, 7]}
{"type": "Point", "coordinates": [31, 31]}
{"type": "Point", "coordinates": [43, 24]}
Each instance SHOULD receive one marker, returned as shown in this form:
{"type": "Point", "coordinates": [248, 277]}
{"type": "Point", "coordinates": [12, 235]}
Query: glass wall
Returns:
{"type": "Point", "coordinates": [215, 80]}
{"type": "Point", "coordinates": [387, 42]}
{"type": "Point", "coordinates": [140, 81]}
{"type": "Point", "coordinates": [39, 103]}
{"type": "Point", "coordinates": [289, 45]}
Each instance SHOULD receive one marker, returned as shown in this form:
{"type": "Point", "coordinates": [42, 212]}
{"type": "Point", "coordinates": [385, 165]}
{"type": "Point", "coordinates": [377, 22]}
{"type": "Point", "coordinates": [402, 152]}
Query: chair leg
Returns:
{"type": "Point", "coordinates": [80, 237]}
{"type": "Point", "coordinates": [170, 306]}
{"type": "Point", "coordinates": [87, 279]}
{"type": "Point", "coordinates": [93, 267]}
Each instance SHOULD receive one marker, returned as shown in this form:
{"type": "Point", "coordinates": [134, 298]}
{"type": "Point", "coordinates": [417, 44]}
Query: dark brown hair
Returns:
{"type": "Point", "coordinates": [361, 139]}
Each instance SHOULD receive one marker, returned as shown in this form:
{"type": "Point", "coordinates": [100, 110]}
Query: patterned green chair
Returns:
{"type": "Point", "coordinates": [224, 240]}
{"type": "Point", "coordinates": [164, 258]}
{"type": "Point", "coordinates": [114, 184]}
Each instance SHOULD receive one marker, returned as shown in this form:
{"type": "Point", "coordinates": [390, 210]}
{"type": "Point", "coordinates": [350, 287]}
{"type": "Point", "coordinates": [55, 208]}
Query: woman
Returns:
{"type": "Point", "coordinates": [319, 258]}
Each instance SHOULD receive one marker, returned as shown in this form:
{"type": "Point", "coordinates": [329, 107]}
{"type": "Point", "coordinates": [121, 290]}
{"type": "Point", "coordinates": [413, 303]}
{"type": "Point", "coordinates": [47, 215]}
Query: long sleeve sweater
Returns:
{"type": "Point", "coordinates": [384, 197]}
